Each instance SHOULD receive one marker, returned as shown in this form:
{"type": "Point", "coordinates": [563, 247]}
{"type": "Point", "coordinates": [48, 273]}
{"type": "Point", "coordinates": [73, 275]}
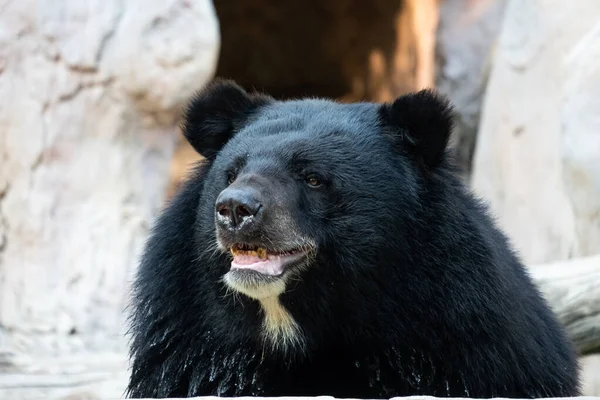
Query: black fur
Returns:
{"type": "Point", "coordinates": [214, 115]}
{"type": "Point", "coordinates": [413, 290]}
{"type": "Point", "coordinates": [421, 124]}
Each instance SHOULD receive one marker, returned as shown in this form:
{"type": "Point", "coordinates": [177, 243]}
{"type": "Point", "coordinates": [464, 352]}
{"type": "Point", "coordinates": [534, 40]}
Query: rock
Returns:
{"type": "Point", "coordinates": [572, 289]}
{"type": "Point", "coordinates": [466, 34]}
{"type": "Point", "coordinates": [90, 93]}
{"type": "Point", "coordinates": [537, 159]}
{"type": "Point", "coordinates": [590, 368]}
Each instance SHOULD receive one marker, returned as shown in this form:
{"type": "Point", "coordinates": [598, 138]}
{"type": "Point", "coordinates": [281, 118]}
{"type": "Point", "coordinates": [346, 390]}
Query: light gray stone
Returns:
{"type": "Point", "coordinates": [537, 159]}
{"type": "Point", "coordinates": [89, 98]}
{"type": "Point", "coordinates": [466, 34]}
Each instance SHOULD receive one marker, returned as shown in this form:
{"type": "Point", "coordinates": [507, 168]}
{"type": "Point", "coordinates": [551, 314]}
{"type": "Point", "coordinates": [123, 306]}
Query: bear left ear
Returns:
{"type": "Point", "coordinates": [419, 123]}
{"type": "Point", "coordinates": [216, 113]}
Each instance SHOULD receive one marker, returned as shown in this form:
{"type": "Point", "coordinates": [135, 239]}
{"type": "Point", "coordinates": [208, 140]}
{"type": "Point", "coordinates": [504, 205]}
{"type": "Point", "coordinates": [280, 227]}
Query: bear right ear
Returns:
{"type": "Point", "coordinates": [419, 123]}
{"type": "Point", "coordinates": [216, 113]}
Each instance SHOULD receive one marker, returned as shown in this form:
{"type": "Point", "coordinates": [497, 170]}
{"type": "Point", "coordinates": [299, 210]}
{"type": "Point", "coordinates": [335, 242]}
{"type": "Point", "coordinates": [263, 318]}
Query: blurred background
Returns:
{"type": "Point", "coordinates": [90, 98]}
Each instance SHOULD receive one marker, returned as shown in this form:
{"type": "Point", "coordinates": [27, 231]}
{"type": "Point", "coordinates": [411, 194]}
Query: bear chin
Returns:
{"type": "Point", "coordinates": [255, 284]}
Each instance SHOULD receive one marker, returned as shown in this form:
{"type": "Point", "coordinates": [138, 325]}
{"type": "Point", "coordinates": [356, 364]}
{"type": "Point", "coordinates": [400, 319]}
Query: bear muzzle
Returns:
{"type": "Point", "coordinates": [254, 225]}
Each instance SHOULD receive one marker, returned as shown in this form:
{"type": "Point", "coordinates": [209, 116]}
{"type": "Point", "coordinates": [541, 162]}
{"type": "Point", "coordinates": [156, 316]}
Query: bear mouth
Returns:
{"type": "Point", "coordinates": [264, 260]}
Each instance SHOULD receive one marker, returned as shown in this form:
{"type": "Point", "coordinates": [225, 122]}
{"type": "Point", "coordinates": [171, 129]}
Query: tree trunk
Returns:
{"type": "Point", "coordinates": [90, 94]}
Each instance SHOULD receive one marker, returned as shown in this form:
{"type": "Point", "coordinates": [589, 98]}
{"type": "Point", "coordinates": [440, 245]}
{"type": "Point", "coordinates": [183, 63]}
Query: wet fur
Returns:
{"type": "Point", "coordinates": [413, 290]}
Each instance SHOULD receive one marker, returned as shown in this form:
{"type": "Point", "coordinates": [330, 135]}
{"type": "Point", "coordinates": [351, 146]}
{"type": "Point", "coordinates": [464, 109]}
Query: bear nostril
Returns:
{"type": "Point", "coordinates": [242, 211]}
{"type": "Point", "coordinates": [223, 210]}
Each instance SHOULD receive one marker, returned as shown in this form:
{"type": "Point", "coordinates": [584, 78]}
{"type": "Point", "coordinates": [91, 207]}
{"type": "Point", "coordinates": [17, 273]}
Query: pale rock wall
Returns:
{"type": "Point", "coordinates": [537, 159]}
{"type": "Point", "coordinates": [90, 93]}
{"type": "Point", "coordinates": [466, 36]}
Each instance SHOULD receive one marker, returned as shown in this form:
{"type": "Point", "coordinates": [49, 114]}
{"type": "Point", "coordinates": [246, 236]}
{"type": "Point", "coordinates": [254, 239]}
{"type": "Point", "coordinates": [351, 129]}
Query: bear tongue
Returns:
{"type": "Point", "coordinates": [273, 265]}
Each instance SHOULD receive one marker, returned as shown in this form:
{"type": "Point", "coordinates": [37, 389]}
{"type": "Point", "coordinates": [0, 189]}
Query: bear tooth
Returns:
{"type": "Point", "coordinates": [262, 253]}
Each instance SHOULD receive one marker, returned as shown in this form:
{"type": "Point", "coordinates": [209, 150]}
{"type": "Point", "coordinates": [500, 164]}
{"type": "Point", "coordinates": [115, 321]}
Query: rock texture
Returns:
{"type": "Point", "coordinates": [537, 158]}
{"type": "Point", "coordinates": [89, 98]}
{"type": "Point", "coordinates": [591, 375]}
{"type": "Point", "coordinates": [466, 35]}
{"type": "Point", "coordinates": [572, 288]}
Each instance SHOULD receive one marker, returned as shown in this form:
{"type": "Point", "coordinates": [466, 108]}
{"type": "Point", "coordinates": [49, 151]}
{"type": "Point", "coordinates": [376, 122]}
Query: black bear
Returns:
{"type": "Point", "coordinates": [330, 249]}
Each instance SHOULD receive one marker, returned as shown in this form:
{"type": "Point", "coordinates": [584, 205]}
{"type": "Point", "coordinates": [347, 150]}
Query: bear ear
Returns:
{"type": "Point", "coordinates": [216, 113]}
{"type": "Point", "coordinates": [419, 123]}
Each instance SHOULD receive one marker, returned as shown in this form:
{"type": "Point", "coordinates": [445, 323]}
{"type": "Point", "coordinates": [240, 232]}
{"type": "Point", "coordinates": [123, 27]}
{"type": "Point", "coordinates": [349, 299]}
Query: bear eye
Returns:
{"type": "Point", "coordinates": [230, 177]}
{"type": "Point", "coordinates": [313, 181]}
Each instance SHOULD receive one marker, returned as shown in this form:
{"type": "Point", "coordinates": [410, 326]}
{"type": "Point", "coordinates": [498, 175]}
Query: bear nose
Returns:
{"type": "Point", "coordinates": [236, 206]}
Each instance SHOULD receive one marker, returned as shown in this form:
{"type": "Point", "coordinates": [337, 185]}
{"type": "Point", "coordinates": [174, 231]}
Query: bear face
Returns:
{"type": "Point", "coordinates": [295, 179]}
{"type": "Point", "coordinates": [330, 249]}
{"type": "Point", "coordinates": [283, 186]}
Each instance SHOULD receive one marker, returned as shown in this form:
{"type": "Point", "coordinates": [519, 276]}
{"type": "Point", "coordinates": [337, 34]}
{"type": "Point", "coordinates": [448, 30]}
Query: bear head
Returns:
{"type": "Point", "coordinates": [305, 191]}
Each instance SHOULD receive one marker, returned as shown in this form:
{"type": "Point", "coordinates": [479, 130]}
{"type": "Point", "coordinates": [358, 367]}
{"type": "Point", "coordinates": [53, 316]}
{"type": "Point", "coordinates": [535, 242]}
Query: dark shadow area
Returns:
{"type": "Point", "coordinates": [298, 48]}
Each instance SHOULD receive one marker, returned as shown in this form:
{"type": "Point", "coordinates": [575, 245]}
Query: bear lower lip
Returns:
{"type": "Point", "coordinates": [272, 267]}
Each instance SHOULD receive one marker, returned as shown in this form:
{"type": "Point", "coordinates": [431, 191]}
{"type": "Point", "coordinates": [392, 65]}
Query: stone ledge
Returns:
{"type": "Point", "coordinates": [392, 398]}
